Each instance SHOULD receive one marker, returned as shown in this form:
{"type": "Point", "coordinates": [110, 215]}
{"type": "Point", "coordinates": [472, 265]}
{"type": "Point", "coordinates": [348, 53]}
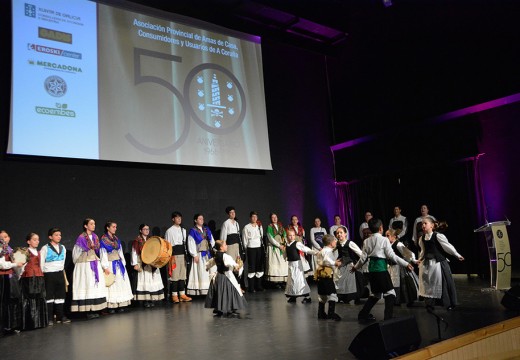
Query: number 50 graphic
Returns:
{"type": "Point", "coordinates": [211, 95]}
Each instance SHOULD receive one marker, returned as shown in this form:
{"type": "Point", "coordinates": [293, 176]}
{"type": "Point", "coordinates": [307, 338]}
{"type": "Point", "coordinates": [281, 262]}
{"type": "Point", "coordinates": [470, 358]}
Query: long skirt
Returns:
{"type": "Point", "coordinates": [119, 294]}
{"type": "Point", "coordinates": [296, 283]}
{"type": "Point", "coordinates": [345, 280]}
{"type": "Point", "coordinates": [198, 281]}
{"type": "Point", "coordinates": [436, 282]}
{"type": "Point", "coordinates": [10, 303]}
{"type": "Point", "coordinates": [34, 305]}
{"type": "Point", "coordinates": [87, 294]}
{"type": "Point", "coordinates": [149, 285]}
{"type": "Point", "coordinates": [276, 265]}
{"type": "Point", "coordinates": [224, 295]}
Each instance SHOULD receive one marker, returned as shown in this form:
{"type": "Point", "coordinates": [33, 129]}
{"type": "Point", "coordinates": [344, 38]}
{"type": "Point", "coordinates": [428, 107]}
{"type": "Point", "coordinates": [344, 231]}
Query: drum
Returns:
{"type": "Point", "coordinates": [21, 255]}
{"type": "Point", "coordinates": [156, 252]}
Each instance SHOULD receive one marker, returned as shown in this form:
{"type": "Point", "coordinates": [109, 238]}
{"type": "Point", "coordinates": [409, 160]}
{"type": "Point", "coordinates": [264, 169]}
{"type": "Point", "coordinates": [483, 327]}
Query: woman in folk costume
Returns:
{"type": "Point", "coordinates": [10, 296]}
{"type": "Point", "coordinates": [150, 287]}
{"type": "Point", "coordinates": [32, 282]}
{"type": "Point", "coordinates": [119, 294]}
{"type": "Point", "coordinates": [406, 283]}
{"type": "Point", "coordinates": [296, 284]}
{"type": "Point", "coordinates": [200, 243]}
{"type": "Point", "coordinates": [435, 278]}
{"type": "Point", "coordinates": [276, 262]}
{"type": "Point", "coordinates": [350, 285]}
{"type": "Point", "coordinates": [225, 295]}
{"type": "Point", "coordinates": [300, 237]}
{"type": "Point", "coordinates": [316, 235]}
{"type": "Point", "coordinates": [89, 293]}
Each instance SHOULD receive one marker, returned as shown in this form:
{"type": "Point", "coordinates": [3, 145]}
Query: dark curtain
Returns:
{"type": "Point", "coordinates": [452, 192]}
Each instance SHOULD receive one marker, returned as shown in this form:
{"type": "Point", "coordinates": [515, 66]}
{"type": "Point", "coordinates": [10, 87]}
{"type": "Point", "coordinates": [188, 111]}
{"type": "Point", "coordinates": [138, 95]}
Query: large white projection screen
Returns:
{"type": "Point", "coordinates": [96, 81]}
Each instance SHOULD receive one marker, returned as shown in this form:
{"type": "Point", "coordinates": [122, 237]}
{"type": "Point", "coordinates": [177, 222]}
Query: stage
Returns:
{"type": "Point", "coordinates": [270, 328]}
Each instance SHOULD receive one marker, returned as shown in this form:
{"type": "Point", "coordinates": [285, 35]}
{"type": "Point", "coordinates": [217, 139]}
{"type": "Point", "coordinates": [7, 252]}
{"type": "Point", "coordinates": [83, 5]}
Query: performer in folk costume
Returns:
{"type": "Point", "coordinates": [230, 231]}
{"type": "Point", "coordinates": [296, 284]}
{"type": "Point", "coordinates": [316, 235]}
{"type": "Point", "coordinates": [349, 285]}
{"type": "Point", "coordinates": [225, 295]}
{"type": "Point", "coordinates": [150, 288]}
{"type": "Point", "coordinates": [10, 296]}
{"type": "Point", "coordinates": [89, 293]}
{"type": "Point", "coordinates": [417, 231]}
{"type": "Point", "coordinates": [364, 231]}
{"type": "Point", "coordinates": [398, 222]}
{"type": "Point", "coordinates": [252, 236]}
{"type": "Point", "coordinates": [276, 262]}
{"type": "Point", "coordinates": [52, 257]}
{"type": "Point", "coordinates": [377, 250]}
{"type": "Point", "coordinates": [324, 276]}
{"type": "Point", "coordinates": [34, 306]}
{"type": "Point", "coordinates": [406, 283]}
{"type": "Point", "coordinates": [337, 224]}
{"type": "Point", "coordinates": [435, 278]}
{"type": "Point", "coordinates": [300, 237]}
{"type": "Point", "coordinates": [176, 236]}
{"type": "Point", "coordinates": [200, 243]}
{"type": "Point", "coordinates": [113, 261]}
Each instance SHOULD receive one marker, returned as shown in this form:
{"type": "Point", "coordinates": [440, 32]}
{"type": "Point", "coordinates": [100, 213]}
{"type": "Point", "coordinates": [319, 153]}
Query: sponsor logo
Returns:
{"type": "Point", "coordinates": [54, 51]}
{"type": "Point", "coordinates": [55, 86]}
{"type": "Point", "coordinates": [30, 10]}
{"type": "Point", "coordinates": [58, 110]}
{"type": "Point", "coordinates": [54, 35]}
{"type": "Point", "coordinates": [56, 66]}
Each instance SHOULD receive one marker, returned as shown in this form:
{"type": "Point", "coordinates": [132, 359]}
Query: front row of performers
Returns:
{"type": "Point", "coordinates": [33, 287]}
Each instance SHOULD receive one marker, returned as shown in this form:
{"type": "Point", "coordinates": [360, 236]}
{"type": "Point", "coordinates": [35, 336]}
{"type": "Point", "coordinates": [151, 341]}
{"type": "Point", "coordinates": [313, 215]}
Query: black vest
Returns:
{"type": "Point", "coordinates": [433, 250]}
{"type": "Point", "coordinates": [293, 253]}
{"type": "Point", "coordinates": [344, 253]}
{"type": "Point", "coordinates": [219, 260]}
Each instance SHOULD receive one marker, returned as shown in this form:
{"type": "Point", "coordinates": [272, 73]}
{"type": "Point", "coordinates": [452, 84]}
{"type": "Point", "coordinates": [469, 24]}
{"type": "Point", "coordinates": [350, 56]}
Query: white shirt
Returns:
{"type": "Point", "coordinates": [252, 236]}
{"type": "Point", "coordinates": [405, 225]}
{"type": "Point", "coordinates": [376, 245]}
{"type": "Point", "coordinates": [52, 266]}
{"type": "Point", "coordinates": [175, 235]}
{"type": "Point", "coordinates": [229, 227]}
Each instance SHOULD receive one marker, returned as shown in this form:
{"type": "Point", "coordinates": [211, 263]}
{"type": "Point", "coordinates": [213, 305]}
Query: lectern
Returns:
{"type": "Point", "coordinates": [499, 253]}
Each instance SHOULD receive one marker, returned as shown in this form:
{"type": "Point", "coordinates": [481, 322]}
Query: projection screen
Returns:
{"type": "Point", "coordinates": [93, 80]}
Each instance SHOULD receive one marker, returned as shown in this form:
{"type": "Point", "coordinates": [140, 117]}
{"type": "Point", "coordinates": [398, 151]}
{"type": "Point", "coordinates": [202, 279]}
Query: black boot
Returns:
{"type": "Point", "coordinates": [389, 306]}
{"type": "Point", "coordinates": [364, 314]}
{"type": "Point", "coordinates": [50, 313]}
{"type": "Point", "coordinates": [321, 311]}
{"type": "Point", "coordinates": [258, 284]}
{"type": "Point", "coordinates": [332, 315]}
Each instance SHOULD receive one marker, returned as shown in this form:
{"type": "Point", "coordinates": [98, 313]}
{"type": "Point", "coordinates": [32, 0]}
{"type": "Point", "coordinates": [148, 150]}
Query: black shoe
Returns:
{"type": "Point", "coordinates": [233, 314]}
{"type": "Point", "coordinates": [306, 301]}
{"type": "Point", "coordinates": [147, 304]}
{"type": "Point", "coordinates": [92, 316]}
{"type": "Point", "coordinates": [64, 320]}
{"type": "Point", "coordinates": [120, 310]}
{"type": "Point", "coordinates": [334, 317]}
{"type": "Point", "coordinates": [291, 300]}
{"type": "Point", "coordinates": [368, 318]}
{"type": "Point", "coordinates": [111, 311]}
{"type": "Point", "coordinates": [451, 307]}
{"type": "Point", "coordinates": [217, 313]}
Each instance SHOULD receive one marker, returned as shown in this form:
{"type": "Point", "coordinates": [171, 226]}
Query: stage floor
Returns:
{"type": "Point", "coordinates": [269, 328]}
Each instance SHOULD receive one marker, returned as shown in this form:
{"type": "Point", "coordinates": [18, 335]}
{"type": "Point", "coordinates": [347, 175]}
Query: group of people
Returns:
{"type": "Point", "coordinates": [33, 287]}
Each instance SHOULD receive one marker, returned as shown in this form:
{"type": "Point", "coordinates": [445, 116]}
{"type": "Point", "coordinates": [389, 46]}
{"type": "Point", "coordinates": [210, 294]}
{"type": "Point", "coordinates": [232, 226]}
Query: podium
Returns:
{"type": "Point", "coordinates": [499, 253]}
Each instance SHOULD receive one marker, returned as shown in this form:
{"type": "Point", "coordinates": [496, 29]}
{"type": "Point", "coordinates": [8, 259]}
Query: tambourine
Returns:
{"type": "Point", "coordinates": [21, 255]}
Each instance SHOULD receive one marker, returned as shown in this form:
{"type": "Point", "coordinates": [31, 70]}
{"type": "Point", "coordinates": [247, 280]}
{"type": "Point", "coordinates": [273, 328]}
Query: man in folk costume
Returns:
{"type": "Point", "coordinates": [176, 236]}
{"type": "Point", "coordinates": [376, 250]}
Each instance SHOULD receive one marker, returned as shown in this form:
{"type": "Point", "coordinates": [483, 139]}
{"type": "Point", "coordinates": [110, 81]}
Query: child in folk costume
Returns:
{"type": "Point", "coordinates": [150, 286]}
{"type": "Point", "coordinates": [435, 278]}
{"type": "Point", "coordinates": [53, 257]}
{"type": "Point", "coordinates": [406, 283]}
{"type": "Point", "coordinates": [176, 236]}
{"type": "Point", "coordinates": [119, 294]}
{"type": "Point", "coordinates": [10, 296]}
{"type": "Point", "coordinates": [296, 284]}
{"type": "Point", "coordinates": [377, 249]}
{"type": "Point", "coordinates": [300, 237]}
{"type": "Point", "coordinates": [327, 262]}
{"type": "Point", "coordinates": [89, 293]}
{"type": "Point", "coordinates": [200, 243]}
{"type": "Point", "coordinates": [34, 306]}
{"type": "Point", "coordinates": [225, 295]}
{"type": "Point", "coordinates": [349, 285]}
{"type": "Point", "coordinates": [276, 262]}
